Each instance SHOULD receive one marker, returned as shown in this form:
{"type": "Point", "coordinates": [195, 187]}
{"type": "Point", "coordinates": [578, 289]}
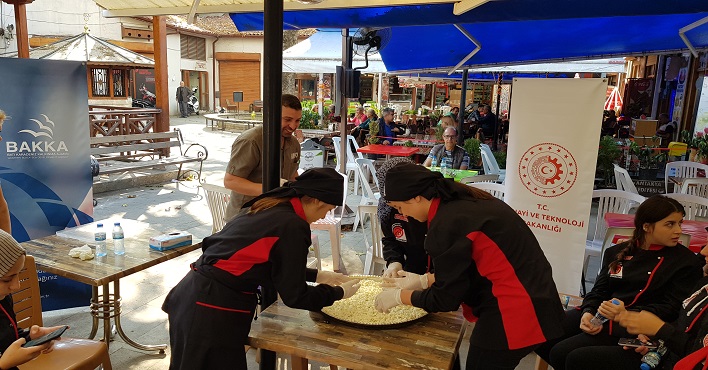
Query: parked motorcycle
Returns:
{"type": "Point", "coordinates": [193, 103]}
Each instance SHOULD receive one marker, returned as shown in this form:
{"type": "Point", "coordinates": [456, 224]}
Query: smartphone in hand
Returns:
{"type": "Point", "coordinates": [634, 342]}
{"type": "Point", "coordinates": [46, 338]}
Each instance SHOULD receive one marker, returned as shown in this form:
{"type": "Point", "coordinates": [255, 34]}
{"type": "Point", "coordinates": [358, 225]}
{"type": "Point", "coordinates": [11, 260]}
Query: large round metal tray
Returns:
{"type": "Point", "coordinates": [328, 318]}
{"type": "Point", "coordinates": [333, 319]}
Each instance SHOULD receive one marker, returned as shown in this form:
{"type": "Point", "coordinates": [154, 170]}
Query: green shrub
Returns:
{"type": "Point", "coordinates": [471, 146]}
{"type": "Point", "coordinates": [501, 159]}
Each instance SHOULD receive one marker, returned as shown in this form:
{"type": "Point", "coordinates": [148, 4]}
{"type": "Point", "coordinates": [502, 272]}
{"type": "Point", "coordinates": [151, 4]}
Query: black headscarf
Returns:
{"type": "Point", "coordinates": [406, 181]}
{"type": "Point", "coordinates": [324, 184]}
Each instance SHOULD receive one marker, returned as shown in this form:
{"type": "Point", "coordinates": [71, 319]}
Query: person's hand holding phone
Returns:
{"type": "Point", "coordinates": [16, 354]}
{"type": "Point", "coordinates": [642, 344]}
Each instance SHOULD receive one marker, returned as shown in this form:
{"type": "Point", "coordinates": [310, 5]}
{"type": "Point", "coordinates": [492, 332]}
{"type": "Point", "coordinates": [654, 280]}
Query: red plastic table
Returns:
{"type": "Point", "coordinates": [697, 229]}
{"type": "Point", "coordinates": [388, 150]}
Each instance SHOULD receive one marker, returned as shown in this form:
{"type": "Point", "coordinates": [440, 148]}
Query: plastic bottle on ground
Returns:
{"type": "Point", "coordinates": [100, 238]}
{"type": "Point", "coordinates": [118, 239]}
{"type": "Point", "coordinates": [598, 320]}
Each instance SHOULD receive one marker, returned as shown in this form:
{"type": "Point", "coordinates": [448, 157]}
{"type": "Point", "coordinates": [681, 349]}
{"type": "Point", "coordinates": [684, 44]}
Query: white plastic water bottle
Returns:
{"type": "Point", "coordinates": [598, 320]}
{"type": "Point", "coordinates": [118, 239]}
{"type": "Point", "coordinates": [100, 237]}
{"type": "Point", "coordinates": [652, 358]}
{"type": "Point", "coordinates": [435, 161]}
{"type": "Point", "coordinates": [443, 166]}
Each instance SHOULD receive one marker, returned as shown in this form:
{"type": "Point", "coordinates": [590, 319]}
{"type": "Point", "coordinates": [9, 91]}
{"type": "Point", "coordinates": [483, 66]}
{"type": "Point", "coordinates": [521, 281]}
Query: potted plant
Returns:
{"type": "Point", "coordinates": [648, 161]}
{"type": "Point", "coordinates": [471, 146]}
{"type": "Point", "coordinates": [702, 147]}
{"type": "Point", "coordinates": [607, 155]}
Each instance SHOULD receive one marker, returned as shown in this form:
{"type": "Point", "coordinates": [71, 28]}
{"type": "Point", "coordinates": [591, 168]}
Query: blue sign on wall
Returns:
{"type": "Point", "coordinates": [44, 159]}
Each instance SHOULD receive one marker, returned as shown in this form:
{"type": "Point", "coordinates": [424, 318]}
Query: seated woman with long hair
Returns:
{"type": "Point", "coordinates": [650, 272]}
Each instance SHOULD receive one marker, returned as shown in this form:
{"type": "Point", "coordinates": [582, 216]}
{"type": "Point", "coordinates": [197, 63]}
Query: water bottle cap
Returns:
{"type": "Point", "coordinates": [99, 225]}
{"type": "Point", "coordinates": [645, 366]}
{"type": "Point", "coordinates": [116, 224]}
{"type": "Point", "coordinates": [615, 301]}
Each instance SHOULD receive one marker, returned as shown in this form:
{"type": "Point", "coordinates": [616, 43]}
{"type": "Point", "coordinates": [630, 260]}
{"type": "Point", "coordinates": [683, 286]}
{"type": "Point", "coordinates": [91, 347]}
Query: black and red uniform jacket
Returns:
{"type": "Point", "coordinates": [403, 239]}
{"type": "Point", "coordinates": [9, 332]}
{"type": "Point", "coordinates": [268, 249]}
{"type": "Point", "coordinates": [656, 280]}
{"type": "Point", "coordinates": [487, 258]}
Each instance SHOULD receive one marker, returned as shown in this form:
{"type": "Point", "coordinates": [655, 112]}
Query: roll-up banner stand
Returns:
{"type": "Point", "coordinates": [45, 170]}
{"type": "Point", "coordinates": [551, 158]}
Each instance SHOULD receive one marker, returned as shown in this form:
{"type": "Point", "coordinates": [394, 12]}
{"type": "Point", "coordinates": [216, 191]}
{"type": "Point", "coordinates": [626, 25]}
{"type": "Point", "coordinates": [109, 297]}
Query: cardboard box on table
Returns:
{"type": "Point", "coordinates": [643, 131]}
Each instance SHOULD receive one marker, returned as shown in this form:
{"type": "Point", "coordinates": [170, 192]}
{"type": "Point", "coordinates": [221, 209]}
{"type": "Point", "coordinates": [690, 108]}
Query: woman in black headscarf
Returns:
{"type": "Point", "coordinates": [211, 309]}
{"type": "Point", "coordinates": [485, 257]}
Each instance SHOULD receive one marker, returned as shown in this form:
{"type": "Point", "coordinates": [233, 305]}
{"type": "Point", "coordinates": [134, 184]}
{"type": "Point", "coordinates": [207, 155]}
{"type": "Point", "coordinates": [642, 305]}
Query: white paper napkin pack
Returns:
{"type": "Point", "coordinates": [169, 241]}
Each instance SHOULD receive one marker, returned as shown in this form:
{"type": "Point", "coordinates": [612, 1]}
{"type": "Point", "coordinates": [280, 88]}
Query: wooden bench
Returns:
{"type": "Point", "coordinates": [214, 119]}
{"type": "Point", "coordinates": [256, 106]}
{"type": "Point", "coordinates": [146, 150]}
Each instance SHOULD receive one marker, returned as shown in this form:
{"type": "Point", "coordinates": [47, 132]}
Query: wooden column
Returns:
{"type": "Point", "coordinates": [163, 96]}
{"type": "Point", "coordinates": [21, 34]}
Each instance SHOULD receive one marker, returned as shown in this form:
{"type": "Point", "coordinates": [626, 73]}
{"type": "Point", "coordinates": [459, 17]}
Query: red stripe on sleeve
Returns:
{"type": "Point", "coordinates": [244, 259]}
{"type": "Point", "coordinates": [517, 311]}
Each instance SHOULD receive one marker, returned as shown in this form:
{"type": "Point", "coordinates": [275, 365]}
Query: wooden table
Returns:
{"type": "Point", "coordinates": [430, 343]}
{"type": "Point", "coordinates": [52, 255]}
{"type": "Point", "coordinates": [697, 229]}
{"type": "Point", "coordinates": [388, 150]}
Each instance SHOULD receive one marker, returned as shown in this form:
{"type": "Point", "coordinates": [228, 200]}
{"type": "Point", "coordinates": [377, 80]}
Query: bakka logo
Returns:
{"type": "Point", "coordinates": [548, 170]}
{"type": "Point", "coordinates": [41, 144]}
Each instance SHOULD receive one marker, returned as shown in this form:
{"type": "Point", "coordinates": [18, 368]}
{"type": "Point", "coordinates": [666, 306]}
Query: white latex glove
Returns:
{"type": "Point", "coordinates": [392, 269]}
{"type": "Point", "coordinates": [387, 300]}
{"type": "Point", "coordinates": [283, 181]}
{"type": "Point", "coordinates": [350, 287]}
{"type": "Point", "coordinates": [407, 280]}
{"type": "Point", "coordinates": [331, 278]}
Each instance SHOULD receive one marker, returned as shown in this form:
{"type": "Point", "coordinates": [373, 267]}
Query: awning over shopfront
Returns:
{"type": "Point", "coordinates": [514, 31]}
{"type": "Point", "coordinates": [322, 52]}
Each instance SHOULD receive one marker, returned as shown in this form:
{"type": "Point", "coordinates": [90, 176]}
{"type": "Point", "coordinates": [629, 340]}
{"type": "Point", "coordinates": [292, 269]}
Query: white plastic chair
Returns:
{"type": "Point", "coordinates": [497, 190]}
{"type": "Point", "coordinates": [374, 250]}
{"type": "Point", "coordinates": [696, 186]}
{"type": "Point", "coordinates": [623, 181]}
{"type": "Point", "coordinates": [217, 198]}
{"type": "Point", "coordinates": [489, 163]}
{"type": "Point", "coordinates": [609, 201]}
{"type": "Point", "coordinates": [683, 169]}
{"type": "Point", "coordinates": [694, 206]}
{"type": "Point", "coordinates": [315, 261]}
{"type": "Point", "coordinates": [332, 223]}
{"type": "Point", "coordinates": [368, 196]}
{"type": "Point", "coordinates": [351, 165]}
{"type": "Point", "coordinates": [480, 178]}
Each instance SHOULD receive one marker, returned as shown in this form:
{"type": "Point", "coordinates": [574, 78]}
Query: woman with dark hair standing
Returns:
{"type": "Point", "coordinates": [650, 272]}
{"type": "Point", "coordinates": [486, 258]}
{"type": "Point", "coordinates": [211, 309]}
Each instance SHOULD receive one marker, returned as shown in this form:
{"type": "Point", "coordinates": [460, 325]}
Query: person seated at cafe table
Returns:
{"type": "Point", "coordinates": [384, 131]}
{"type": "Point", "coordinates": [683, 338]}
{"type": "Point", "coordinates": [12, 354]}
{"type": "Point", "coordinates": [211, 309]}
{"type": "Point", "coordinates": [650, 272]}
{"type": "Point", "coordinates": [454, 153]}
{"type": "Point", "coordinates": [447, 120]}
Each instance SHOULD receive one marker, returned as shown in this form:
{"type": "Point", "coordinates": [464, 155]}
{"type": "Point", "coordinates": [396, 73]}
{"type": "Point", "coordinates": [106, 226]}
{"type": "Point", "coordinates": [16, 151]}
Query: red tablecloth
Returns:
{"type": "Point", "coordinates": [697, 229]}
{"type": "Point", "coordinates": [394, 150]}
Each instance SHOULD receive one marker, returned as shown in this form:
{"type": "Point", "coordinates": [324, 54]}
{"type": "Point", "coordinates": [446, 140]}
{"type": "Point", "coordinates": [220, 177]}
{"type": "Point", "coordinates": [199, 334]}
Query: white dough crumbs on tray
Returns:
{"type": "Point", "coordinates": [359, 308]}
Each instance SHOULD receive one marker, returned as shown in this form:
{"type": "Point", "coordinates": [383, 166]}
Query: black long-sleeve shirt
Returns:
{"type": "Point", "coordinates": [654, 280]}
{"type": "Point", "coordinates": [403, 239]}
{"type": "Point", "coordinates": [9, 332]}
{"type": "Point", "coordinates": [487, 258]}
{"type": "Point", "coordinates": [268, 249]}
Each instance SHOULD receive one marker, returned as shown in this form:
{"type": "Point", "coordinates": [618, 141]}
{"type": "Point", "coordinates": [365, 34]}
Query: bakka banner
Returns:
{"type": "Point", "coordinates": [45, 170]}
{"type": "Point", "coordinates": [551, 158]}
